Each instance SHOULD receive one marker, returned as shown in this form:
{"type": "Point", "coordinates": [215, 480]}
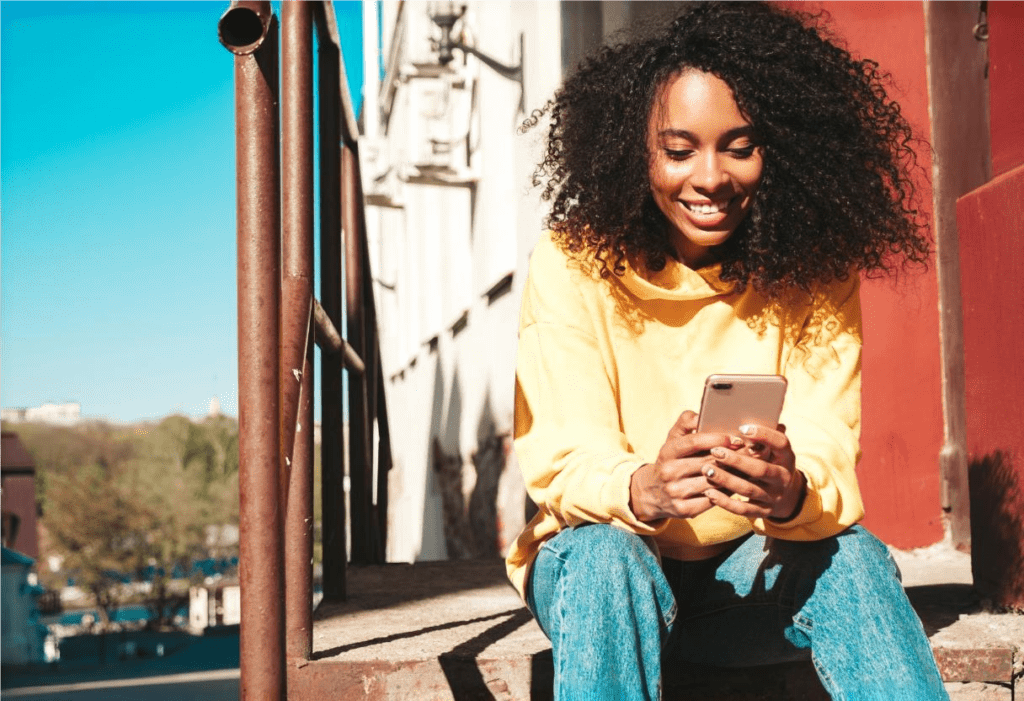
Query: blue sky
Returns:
{"type": "Point", "coordinates": [117, 247]}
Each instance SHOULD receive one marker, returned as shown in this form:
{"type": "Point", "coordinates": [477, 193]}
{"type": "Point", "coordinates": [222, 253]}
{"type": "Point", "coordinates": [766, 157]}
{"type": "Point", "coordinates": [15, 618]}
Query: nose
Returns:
{"type": "Point", "coordinates": [709, 174]}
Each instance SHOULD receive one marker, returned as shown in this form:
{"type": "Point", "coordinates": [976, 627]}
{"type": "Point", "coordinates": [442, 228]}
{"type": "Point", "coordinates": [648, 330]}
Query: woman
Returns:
{"type": "Point", "coordinates": [717, 189]}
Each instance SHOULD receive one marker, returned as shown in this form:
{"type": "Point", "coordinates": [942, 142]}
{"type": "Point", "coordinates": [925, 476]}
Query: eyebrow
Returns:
{"type": "Point", "coordinates": [745, 130]}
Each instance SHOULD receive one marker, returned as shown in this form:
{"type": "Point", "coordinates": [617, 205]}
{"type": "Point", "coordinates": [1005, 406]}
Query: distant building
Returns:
{"type": "Point", "coordinates": [214, 606]}
{"type": "Point", "coordinates": [60, 414]}
{"type": "Point", "coordinates": [18, 487]}
{"type": "Point", "coordinates": [22, 636]}
{"type": "Point", "coordinates": [12, 415]}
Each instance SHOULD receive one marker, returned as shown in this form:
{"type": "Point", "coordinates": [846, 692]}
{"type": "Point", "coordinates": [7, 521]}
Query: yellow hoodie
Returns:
{"type": "Point", "coordinates": [606, 366]}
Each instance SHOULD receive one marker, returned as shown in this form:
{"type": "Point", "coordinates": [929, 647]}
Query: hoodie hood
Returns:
{"type": "Point", "coordinates": [675, 282]}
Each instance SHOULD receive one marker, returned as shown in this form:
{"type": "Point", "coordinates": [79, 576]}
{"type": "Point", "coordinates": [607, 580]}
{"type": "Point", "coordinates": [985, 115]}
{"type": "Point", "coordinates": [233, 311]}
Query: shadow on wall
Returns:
{"type": "Point", "coordinates": [433, 542]}
{"type": "Point", "coordinates": [489, 459]}
{"type": "Point", "coordinates": [997, 528]}
{"type": "Point", "coordinates": [468, 489]}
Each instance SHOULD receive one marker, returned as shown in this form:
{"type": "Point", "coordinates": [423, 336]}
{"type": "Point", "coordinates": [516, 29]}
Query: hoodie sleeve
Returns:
{"type": "Point", "coordinates": [822, 416]}
{"type": "Point", "coordinates": [575, 460]}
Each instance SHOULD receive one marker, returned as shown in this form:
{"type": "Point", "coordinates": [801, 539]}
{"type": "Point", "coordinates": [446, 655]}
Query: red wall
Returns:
{"type": "Point", "coordinates": [1006, 84]}
{"type": "Point", "coordinates": [990, 222]}
{"type": "Point", "coordinates": [902, 430]}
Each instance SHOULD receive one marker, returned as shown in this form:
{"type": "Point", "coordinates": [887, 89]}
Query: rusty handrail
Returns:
{"type": "Point", "coordinates": [249, 30]}
{"type": "Point", "coordinates": [296, 320]}
{"type": "Point", "coordinates": [279, 320]}
{"type": "Point", "coordinates": [327, 31]}
{"type": "Point", "coordinates": [332, 473]}
{"type": "Point", "coordinates": [365, 399]}
{"type": "Point", "coordinates": [244, 26]}
{"type": "Point", "coordinates": [330, 340]}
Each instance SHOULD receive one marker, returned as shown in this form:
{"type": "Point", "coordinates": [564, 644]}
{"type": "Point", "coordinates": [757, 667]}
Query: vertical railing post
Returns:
{"type": "Point", "coordinates": [360, 462]}
{"type": "Point", "coordinates": [296, 319]}
{"type": "Point", "coordinates": [333, 528]}
{"type": "Point", "coordinates": [373, 388]}
{"type": "Point", "coordinates": [383, 455]}
{"type": "Point", "coordinates": [249, 30]}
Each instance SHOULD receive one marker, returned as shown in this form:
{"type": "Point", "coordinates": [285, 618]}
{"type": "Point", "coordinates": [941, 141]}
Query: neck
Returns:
{"type": "Point", "coordinates": [691, 254]}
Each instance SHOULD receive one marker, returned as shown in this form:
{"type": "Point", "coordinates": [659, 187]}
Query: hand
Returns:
{"type": "Point", "coordinates": [675, 485]}
{"type": "Point", "coordinates": [763, 471]}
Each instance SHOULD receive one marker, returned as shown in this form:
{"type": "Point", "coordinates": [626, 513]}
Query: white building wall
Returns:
{"type": "Point", "coordinates": [452, 220]}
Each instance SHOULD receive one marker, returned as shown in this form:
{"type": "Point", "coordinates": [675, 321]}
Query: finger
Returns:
{"type": "Point", "coordinates": [688, 487]}
{"type": "Point", "coordinates": [683, 469]}
{"type": "Point", "coordinates": [726, 481]}
{"type": "Point", "coordinates": [756, 469]}
{"type": "Point", "coordinates": [688, 420]}
{"type": "Point", "coordinates": [736, 506]}
{"type": "Point", "coordinates": [760, 435]}
{"type": "Point", "coordinates": [760, 451]}
{"type": "Point", "coordinates": [681, 446]}
{"type": "Point", "coordinates": [686, 423]}
{"type": "Point", "coordinates": [688, 508]}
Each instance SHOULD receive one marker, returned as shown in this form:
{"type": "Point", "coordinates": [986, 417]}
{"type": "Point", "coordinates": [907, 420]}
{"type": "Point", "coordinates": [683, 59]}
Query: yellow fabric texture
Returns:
{"type": "Point", "coordinates": [606, 366]}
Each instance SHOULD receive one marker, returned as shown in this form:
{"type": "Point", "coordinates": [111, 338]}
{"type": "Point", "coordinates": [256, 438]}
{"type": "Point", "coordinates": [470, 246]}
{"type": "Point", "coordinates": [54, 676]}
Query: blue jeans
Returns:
{"type": "Point", "coordinates": [614, 614]}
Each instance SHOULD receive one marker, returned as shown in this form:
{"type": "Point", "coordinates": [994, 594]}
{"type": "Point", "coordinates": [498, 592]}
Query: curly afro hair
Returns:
{"type": "Point", "coordinates": [836, 194]}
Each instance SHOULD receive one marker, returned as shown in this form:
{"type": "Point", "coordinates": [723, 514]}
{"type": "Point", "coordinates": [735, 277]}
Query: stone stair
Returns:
{"type": "Point", "coordinates": [456, 631]}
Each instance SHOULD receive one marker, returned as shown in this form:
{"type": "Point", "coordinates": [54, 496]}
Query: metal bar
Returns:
{"type": "Point", "coordinates": [332, 470]}
{"type": "Point", "coordinates": [376, 476]}
{"type": "Point", "coordinates": [297, 320]}
{"type": "Point", "coordinates": [360, 467]}
{"type": "Point", "coordinates": [330, 340]}
{"type": "Point", "coordinates": [959, 134]}
{"type": "Point", "coordinates": [244, 26]}
{"type": "Point", "coordinates": [367, 538]}
{"type": "Point", "coordinates": [249, 30]}
{"type": "Point", "coordinates": [383, 459]}
{"type": "Point", "coordinates": [349, 125]}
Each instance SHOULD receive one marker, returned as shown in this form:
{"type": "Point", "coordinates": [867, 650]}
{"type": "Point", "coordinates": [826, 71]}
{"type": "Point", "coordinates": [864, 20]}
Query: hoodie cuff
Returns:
{"type": "Point", "coordinates": [809, 511]}
{"type": "Point", "coordinates": [617, 501]}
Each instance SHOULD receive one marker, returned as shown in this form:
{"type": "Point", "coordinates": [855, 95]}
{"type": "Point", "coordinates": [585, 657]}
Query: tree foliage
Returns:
{"type": "Point", "coordinates": [135, 501]}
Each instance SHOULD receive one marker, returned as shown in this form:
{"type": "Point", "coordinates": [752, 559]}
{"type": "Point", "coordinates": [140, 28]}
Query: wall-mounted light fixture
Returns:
{"type": "Point", "coordinates": [445, 15]}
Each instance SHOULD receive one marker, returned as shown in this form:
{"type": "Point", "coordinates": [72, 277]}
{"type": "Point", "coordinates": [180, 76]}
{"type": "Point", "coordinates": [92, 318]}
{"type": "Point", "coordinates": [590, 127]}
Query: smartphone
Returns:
{"type": "Point", "coordinates": [733, 400]}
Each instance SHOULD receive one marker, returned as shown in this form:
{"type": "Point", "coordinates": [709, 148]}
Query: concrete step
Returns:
{"type": "Point", "coordinates": [457, 631]}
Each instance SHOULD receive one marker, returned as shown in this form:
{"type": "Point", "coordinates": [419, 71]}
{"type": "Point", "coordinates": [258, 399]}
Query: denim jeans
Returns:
{"type": "Point", "coordinates": [614, 614]}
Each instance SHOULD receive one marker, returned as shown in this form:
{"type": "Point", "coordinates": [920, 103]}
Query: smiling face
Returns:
{"type": "Point", "coordinates": [705, 165]}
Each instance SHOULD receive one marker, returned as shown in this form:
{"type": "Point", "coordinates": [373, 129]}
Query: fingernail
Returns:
{"type": "Point", "coordinates": [748, 429]}
{"type": "Point", "coordinates": [718, 452]}
{"type": "Point", "coordinates": [735, 440]}
{"type": "Point", "coordinates": [710, 472]}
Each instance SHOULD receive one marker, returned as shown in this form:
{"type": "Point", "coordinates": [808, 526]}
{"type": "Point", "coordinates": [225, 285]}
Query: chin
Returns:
{"type": "Point", "coordinates": [707, 239]}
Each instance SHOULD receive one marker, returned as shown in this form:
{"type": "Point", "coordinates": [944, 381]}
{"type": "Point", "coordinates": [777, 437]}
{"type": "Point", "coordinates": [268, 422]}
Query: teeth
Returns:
{"type": "Point", "coordinates": [712, 208]}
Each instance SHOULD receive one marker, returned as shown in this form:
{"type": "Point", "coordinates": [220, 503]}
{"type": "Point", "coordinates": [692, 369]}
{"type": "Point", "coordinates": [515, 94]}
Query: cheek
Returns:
{"type": "Point", "coordinates": [663, 181]}
{"type": "Point", "coordinates": [752, 175]}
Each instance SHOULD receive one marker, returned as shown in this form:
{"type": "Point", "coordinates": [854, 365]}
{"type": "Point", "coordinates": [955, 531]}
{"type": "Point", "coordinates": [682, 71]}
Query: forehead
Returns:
{"type": "Point", "coordinates": [696, 102]}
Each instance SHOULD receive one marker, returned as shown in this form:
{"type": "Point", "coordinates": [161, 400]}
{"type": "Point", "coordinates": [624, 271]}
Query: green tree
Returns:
{"type": "Point", "coordinates": [97, 523]}
{"type": "Point", "coordinates": [136, 500]}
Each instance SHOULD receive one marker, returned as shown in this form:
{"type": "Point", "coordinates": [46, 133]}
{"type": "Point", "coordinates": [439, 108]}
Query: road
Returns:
{"type": "Point", "coordinates": [212, 685]}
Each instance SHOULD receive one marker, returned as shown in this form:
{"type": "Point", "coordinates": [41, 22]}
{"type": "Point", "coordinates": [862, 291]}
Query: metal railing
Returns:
{"type": "Point", "coordinates": [279, 320]}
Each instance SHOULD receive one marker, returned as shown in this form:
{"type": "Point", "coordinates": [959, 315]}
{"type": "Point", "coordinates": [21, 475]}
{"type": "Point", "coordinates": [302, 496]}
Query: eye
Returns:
{"type": "Point", "coordinates": [743, 151]}
{"type": "Point", "coordinates": [678, 154]}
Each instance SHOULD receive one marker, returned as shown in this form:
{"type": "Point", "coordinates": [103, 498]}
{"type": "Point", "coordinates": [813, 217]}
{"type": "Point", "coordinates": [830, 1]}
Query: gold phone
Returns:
{"type": "Point", "coordinates": [733, 400]}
